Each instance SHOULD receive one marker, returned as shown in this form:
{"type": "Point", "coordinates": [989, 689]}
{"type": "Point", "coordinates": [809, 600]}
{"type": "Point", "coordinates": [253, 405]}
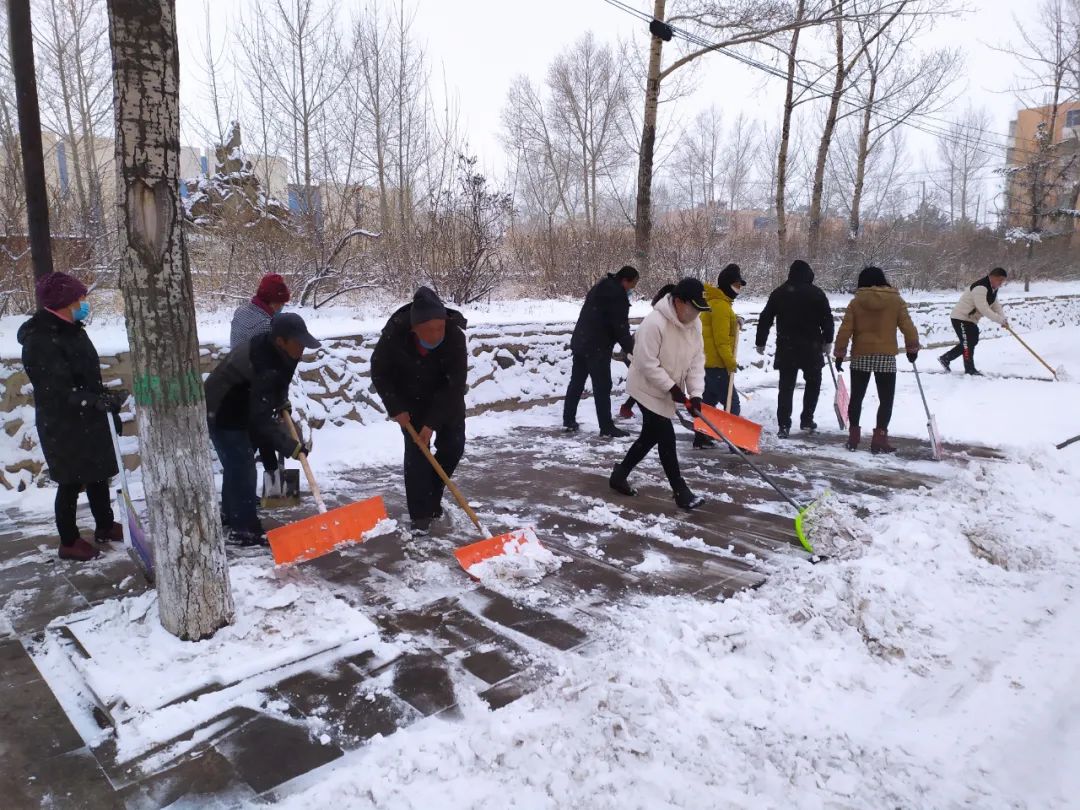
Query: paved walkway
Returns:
{"type": "Point", "coordinates": [466, 639]}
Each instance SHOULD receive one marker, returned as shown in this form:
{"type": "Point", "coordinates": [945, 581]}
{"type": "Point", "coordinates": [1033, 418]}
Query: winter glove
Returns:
{"type": "Point", "coordinates": [302, 449]}
{"type": "Point", "coordinates": [677, 394]}
{"type": "Point", "coordinates": [118, 424]}
{"type": "Point", "coordinates": [695, 406]}
{"type": "Point", "coordinates": [912, 357]}
{"type": "Point", "coordinates": [840, 364]}
{"type": "Point", "coordinates": [107, 402]}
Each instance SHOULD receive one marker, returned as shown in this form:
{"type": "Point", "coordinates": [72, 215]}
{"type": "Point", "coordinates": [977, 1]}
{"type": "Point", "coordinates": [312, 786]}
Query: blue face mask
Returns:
{"type": "Point", "coordinates": [82, 313]}
{"type": "Point", "coordinates": [428, 346]}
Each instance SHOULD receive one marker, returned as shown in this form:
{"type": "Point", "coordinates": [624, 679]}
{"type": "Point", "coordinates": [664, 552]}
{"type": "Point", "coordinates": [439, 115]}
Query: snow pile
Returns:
{"type": "Point", "coordinates": [158, 687]}
{"type": "Point", "coordinates": [523, 560]}
{"type": "Point", "coordinates": [908, 671]}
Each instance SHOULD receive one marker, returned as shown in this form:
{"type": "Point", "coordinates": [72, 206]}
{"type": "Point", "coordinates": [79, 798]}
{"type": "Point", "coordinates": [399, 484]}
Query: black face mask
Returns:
{"type": "Point", "coordinates": [729, 291]}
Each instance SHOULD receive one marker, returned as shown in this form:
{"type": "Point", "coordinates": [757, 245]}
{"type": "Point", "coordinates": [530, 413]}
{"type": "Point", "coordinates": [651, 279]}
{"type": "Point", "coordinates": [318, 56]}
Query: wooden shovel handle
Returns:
{"type": "Point", "coordinates": [1033, 352]}
{"type": "Point", "coordinates": [446, 479]}
{"type": "Point", "coordinates": [731, 376]}
{"type": "Point", "coordinates": [319, 503]}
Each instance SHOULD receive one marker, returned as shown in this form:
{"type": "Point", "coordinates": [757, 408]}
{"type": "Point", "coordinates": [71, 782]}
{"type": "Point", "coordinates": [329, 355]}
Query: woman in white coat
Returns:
{"type": "Point", "coordinates": [668, 368]}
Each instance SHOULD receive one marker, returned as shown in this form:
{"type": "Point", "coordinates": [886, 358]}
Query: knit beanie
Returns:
{"type": "Point", "coordinates": [272, 290]}
{"type": "Point", "coordinates": [59, 290]}
{"type": "Point", "coordinates": [426, 306]}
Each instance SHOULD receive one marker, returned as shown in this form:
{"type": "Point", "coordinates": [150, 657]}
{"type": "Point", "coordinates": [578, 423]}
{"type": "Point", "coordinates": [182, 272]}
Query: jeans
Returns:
{"type": "Point", "coordinates": [656, 431]}
{"type": "Point", "coordinates": [968, 333]}
{"type": "Point", "coordinates": [598, 368]}
{"type": "Point", "coordinates": [812, 382]}
{"type": "Point", "coordinates": [67, 500]}
{"type": "Point", "coordinates": [716, 383]}
{"type": "Point", "coordinates": [423, 486]}
{"type": "Point", "coordinates": [886, 391]}
{"type": "Point", "coordinates": [239, 502]}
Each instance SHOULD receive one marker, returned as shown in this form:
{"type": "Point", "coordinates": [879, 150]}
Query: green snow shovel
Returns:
{"type": "Point", "coordinates": [800, 518]}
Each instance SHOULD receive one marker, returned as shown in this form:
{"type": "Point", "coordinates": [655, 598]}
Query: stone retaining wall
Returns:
{"type": "Point", "coordinates": [512, 366]}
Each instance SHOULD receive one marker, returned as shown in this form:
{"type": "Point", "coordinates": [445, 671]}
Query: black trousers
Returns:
{"type": "Point", "coordinates": [656, 431]}
{"type": "Point", "coordinates": [886, 391]}
{"type": "Point", "coordinates": [423, 486]}
{"type": "Point", "coordinates": [968, 333]}
{"type": "Point", "coordinates": [596, 367]}
{"type": "Point", "coordinates": [67, 500]}
{"type": "Point", "coordinates": [812, 389]}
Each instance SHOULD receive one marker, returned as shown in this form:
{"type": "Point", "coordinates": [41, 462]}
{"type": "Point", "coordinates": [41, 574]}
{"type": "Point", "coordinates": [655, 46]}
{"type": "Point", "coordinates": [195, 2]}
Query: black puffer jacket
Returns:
{"type": "Point", "coordinates": [604, 320]}
{"type": "Point", "coordinates": [247, 391]}
{"type": "Point", "coordinates": [804, 322]}
{"type": "Point", "coordinates": [430, 387]}
{"type": "Point", "coordinates": [71, 405]}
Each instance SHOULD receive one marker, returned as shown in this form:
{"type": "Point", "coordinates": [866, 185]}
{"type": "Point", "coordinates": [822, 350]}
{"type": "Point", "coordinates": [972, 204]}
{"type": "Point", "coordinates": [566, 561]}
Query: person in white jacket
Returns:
{"type": "Point", "coordinates": [668, 368]}
{"type": "Point", "coordinates": [978, 300]}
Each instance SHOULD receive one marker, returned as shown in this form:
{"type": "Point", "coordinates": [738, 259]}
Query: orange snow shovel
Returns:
{"type": "Point", "coordinates": [742, 433]}
{"type": "Point", "coordinates": [470, 555]}
{"type": "Point", "coordinates": [314, 536]}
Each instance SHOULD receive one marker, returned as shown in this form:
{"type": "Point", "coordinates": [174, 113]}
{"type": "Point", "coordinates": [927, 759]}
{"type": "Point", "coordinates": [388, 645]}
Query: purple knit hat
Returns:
{"type": "Point", "coordinates": [59, 290]}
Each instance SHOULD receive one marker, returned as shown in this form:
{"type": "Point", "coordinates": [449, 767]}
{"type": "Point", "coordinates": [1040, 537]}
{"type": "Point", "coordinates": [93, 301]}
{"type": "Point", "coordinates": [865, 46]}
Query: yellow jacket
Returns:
{"type": "Point", "coordinates": [719, 329]}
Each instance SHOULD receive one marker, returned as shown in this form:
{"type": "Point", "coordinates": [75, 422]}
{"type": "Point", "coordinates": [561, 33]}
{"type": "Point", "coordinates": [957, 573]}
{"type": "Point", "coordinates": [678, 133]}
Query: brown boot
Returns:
{"type": "Point", "coordinates": [880, 442]}
{"type": "Point", "coordinates": [853, 437]}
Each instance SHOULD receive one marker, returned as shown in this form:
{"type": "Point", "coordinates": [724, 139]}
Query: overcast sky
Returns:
{"type": "Point", "coordinates": [481, 45]}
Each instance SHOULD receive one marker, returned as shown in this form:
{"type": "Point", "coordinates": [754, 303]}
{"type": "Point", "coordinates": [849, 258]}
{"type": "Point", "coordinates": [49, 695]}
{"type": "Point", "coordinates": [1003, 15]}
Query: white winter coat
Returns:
{"type": "Point", "coordinates": [666, 353]}
{"type": "Point", "coordinates": [972, 306]}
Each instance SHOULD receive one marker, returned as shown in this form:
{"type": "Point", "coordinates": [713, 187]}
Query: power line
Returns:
{"type": "Point", "coordinates": [933, 129]}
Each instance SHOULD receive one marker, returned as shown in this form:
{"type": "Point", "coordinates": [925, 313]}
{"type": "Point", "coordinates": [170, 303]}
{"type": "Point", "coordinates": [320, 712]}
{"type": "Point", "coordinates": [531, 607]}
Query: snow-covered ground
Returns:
{"type": "Point", "coordinates": [928, 663]}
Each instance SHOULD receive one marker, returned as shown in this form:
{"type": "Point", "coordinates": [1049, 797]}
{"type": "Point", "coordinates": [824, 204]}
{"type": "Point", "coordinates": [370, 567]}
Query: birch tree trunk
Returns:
{"type": "Point", "coordinates": [194, 599]}
{"type": "Point", "coordinates": [785, 141]}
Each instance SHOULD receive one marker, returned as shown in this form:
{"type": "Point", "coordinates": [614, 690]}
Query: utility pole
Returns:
{"type": "Point", "coordinates": [37, 201]}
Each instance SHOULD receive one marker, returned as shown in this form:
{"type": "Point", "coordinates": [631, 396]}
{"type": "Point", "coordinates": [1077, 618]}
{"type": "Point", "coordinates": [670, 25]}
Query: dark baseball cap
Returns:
{"type": "Point", "coordinates": [290, 326]}
{"type": "Point", "coordinates": [692, 291]}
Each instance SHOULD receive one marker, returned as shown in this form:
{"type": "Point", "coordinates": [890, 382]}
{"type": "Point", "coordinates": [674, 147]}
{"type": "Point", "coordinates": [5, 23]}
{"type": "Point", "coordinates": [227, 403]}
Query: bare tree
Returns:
{"type": "Point", "coordinates": [194, 598]}
{"type": "Point", "coordinates": [588, 88]}
{"type": "Point", "coordinates": [964, 151]}
{"type": "Point", "coordinates": [296, 46]}
{"type": "Point", "coordinates": [711, 25]}
{"type": "Point", "coordinates": [738, 161]}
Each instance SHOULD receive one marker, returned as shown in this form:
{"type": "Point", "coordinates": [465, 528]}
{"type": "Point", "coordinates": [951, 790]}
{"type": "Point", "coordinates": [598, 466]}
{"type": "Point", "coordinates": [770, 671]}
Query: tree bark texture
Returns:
{"type": "Point", "coordinates": [785, 141]}
{"type": "Point", "coordinates": [643, 212]}
{"type": "Point", "coordinates": [33, 159]}
{"type": "Point", "coordinates": [813, 228]}
{"type": "Point", "coordinates": [194, 597]}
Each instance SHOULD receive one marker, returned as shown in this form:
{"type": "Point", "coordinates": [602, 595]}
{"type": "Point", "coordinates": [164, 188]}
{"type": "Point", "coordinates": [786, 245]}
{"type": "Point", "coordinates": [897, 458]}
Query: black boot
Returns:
{"type": "Point", "coordinates": [703, 442]}
{"type": "Point", "coordinates": [618, 481]}
{"type": "Point", "coordinates": [808, 425]}
{"type": "Point", "coordinates": [613, 433]}
{"type": "Point", "coordinates": [685, 499]}
{"type": "Point", "coordinates": [784, 431]}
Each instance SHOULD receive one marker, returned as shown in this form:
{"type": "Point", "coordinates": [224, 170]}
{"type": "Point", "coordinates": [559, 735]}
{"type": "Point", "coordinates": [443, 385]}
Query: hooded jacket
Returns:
{"type": "Point", "coordinates": [719, 329]}
{"type": "Point", "coordinates": [870, 323]}
{"type": "Point", "coordinates": [70, 402]}
{"type": "Point", "coordinates": [668, 352]}
{"type": "Point", "coordinates": [804, 321]}
{"type": "Point", "coordinates": [604, 320]}
{"type": "Point", "coordinates": [978, 300]}
{"type": "Point", "coordinates": [430, 386]}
